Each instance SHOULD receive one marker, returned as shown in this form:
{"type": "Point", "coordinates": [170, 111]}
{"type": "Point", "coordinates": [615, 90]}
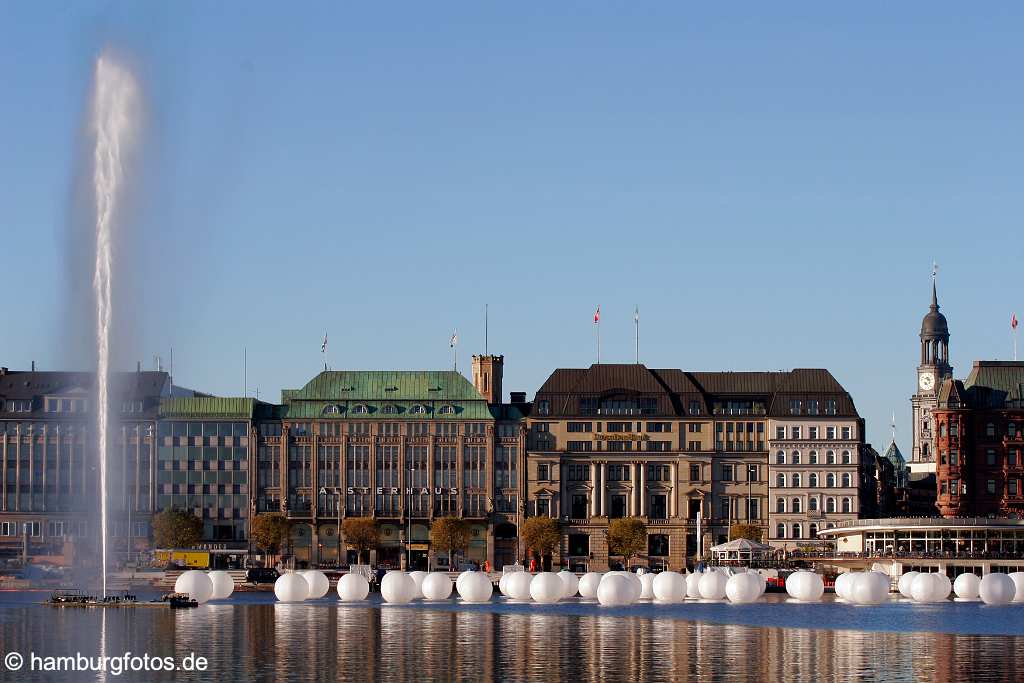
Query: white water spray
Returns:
{"type": "Point", "coordinates": [114, 106]}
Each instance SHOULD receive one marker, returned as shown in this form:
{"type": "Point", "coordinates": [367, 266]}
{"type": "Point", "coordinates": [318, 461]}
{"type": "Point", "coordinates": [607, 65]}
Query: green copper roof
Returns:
{"type": "Point", "coordinates": [208, 407]}
{"type": "Point", "coordinates": [1001, 376]}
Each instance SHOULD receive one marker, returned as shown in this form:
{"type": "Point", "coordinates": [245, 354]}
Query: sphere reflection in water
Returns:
{"type": "Point", "coordinates": [353, 587]}
{"type": "Point", "coordinates": [477, 587]}
{"type": "Point", "coordinates": [291, 587]}
{"type": "Point", "coordinates": [996, 589]}
{"type": "Point", "coordinates": [669, 587]}
{"type": "Point", "coordinates": [615, 590]}
{"type": "Point", "coordinates": [742, 588]}
{"type": "Point", "coordinates": [906, 583]}
{"type": "Point", "coordinates": [197, 584]}
{"type": "Point", "coordinates": [223, 584]}
{"type": "Point", "coordinates": [805, 586]}
{"type": "Point", "coordinates": [570, 583]}
{"type": "Point", "coordinates": [546, 587]}
{"type": "Point", "coordinates": [436, 586]}
{"type": "Point", "coordinates": [589, 583]}
{"type": "Point", "coordinates": [397, 587]}
{"type": "Point", "coordinates": [966, 586]}
{"type": "Point", "coordinates": [319, 585]}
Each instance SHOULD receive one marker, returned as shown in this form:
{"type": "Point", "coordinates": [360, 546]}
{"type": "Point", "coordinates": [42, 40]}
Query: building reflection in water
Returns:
{"type": "Point", "coordinates": [308, 642]}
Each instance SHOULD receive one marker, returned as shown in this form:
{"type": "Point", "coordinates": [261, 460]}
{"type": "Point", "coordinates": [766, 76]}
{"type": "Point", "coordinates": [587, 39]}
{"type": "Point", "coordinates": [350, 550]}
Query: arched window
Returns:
{"type": "Point", "coordinates": [780, 458]}
{"type": "Point", "coordinates": [813, 457]}
{"type": "Point", "coordinates": [780, 505]}
{"type": "Point", "coordinates": [830, 505]}
{"type": "Point", "coordinates": [796, 480]}
{"type": "Point", "coordinates": [780, 531]}
{"type": "Point", "coordinates": [812, 504]}
{"type": "Point", "coordinates": [796, 457]}
{"type": "Point", "coordinates": [846, 457]}
{"type": "Point", "coordinates": [830, 457]}
{"type": "Point", "coordinates": [990, 429]}
{"type": "Point", "coordinates": [813, 530]}
{"type": "Point", "coordinates": [830, 480]}
{"type": "Point", "coordinates": [813, 480]}
{"type": "Point", "coordinates": [1011, 430]}
{"type": "Point", "coordinates": [418, 409]}
{"type": "Point", "coordinates": [780, 481]}
{"type": "Point", "coordinates": [942, 429]}
{"type": "Point", "coordinates": [447, 410]}
{"type": "Point", "coordinates": [361, 409]}
{"type": "Point", "coordinates": [391, 409]}
{"type": "Point", "coordinates": [333, 409]}
{"type": "Point", "coordinates": [846, 505]}
{"type": "Point", "coordinates": [846, 480]}
{"type": "Point", "coordinates": [795, 507]}
{"type": "Point", "coordinates": [797, 532]}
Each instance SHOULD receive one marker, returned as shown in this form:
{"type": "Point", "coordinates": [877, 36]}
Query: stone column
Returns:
{"type": "Point", "coordinates": [642, 485]}
{"type": "Point", "coordinates": [673, 494]}
{"type": "Point", "coordinates": [595, 496]}
{"type": "Point", "coordinates": [604, 497]}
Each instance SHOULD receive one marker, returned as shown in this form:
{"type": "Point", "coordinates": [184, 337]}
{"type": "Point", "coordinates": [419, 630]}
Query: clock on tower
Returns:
{"type": "Point", "coordinates": [934, 368]}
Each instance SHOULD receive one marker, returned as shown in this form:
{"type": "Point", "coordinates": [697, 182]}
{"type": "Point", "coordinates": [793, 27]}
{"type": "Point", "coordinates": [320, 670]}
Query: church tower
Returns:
{"type": "Point", "coordinates": [934, 368]}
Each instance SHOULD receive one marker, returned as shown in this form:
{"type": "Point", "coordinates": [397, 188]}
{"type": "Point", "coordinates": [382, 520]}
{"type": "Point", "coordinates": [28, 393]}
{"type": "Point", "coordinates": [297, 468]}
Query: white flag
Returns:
{"type": "Point", "coordinates": [323, 347]}
{"type": "Point", "coordinates": [455, 339]}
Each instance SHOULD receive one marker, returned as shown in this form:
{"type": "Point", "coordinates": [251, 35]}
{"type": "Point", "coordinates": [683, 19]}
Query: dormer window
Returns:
{"type": "Point", "coordinates": [131, 406]}
{"type": "Point", "coordinates": [447, 410]}
{"type": "Point", "coordinates": [544, 407]}
{"type": "Point", "coordinates": [333, 409]}
{"type": "Point", "coordinates": [418, 409]}
{"type": "Point", "coordinates": [392, 409]}
{"type": "Point", "coordinates": [361, 409]}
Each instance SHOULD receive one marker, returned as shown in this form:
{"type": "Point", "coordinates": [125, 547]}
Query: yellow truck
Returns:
{"type": "Point", "coordinates": [193, 559]}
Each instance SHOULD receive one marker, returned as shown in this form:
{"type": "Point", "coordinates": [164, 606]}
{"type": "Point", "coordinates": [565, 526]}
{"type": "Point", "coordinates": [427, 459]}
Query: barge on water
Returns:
{"type": "Point", "coordinates": [78, 598]}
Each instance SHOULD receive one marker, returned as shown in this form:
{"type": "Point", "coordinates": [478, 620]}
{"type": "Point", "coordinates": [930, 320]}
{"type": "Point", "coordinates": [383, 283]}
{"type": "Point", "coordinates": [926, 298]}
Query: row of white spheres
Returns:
{"type": "Point", "coordinates": [992, 589]}
{"type": "Point", "coordinates": [203, 587]}
{"type": "Point", "coordinates": [624, 588]}
{"type": "Point", "coordinates": [545, 587]}
{"type": "Point", "coordinates": [309, 584]}
{"type": "Point", "coordinates": [863, 588]}
{"type": "Point", "coordinates": [398, 587]}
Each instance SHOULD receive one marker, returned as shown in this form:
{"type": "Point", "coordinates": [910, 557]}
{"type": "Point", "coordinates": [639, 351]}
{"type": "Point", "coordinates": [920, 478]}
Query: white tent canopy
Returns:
{"type": "Point", "coordinates": [742, 549]}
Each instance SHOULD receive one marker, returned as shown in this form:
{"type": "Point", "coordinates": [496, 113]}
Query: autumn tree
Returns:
{"type": "Point", "coordinates": [751, 532]}
{"type": "Point", "coordinates": [269, 531]}
{"type": "Point", "coordinates": [541, 535]}
{"type": "Point", "coordinates": [361, 533]}
{"type": "Point", "coordinates": [627, 537]}
{"type": "Point", "coordinates": [449, 534]}
{"type": "Point", "coordinates": [176, 529]}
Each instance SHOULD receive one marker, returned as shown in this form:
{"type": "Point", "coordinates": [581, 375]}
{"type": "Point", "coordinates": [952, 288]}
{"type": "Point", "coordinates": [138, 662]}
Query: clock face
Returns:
{"type": "Point", "coordinates": [927, 381]}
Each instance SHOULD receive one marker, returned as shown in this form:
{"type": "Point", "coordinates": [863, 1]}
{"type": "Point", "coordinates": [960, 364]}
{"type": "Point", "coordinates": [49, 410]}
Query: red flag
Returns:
{"type": "Point", "coordinates": [597, 315]}
{"type": "Point", "coordinates": [1013, 321]}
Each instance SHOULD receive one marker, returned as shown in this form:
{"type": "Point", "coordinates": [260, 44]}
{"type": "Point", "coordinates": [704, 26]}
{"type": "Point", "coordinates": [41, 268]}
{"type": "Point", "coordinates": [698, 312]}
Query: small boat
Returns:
{"type": "Point", "coordinates": [73, 597]}
{"type": "Point", "coordinates": [178, 600]}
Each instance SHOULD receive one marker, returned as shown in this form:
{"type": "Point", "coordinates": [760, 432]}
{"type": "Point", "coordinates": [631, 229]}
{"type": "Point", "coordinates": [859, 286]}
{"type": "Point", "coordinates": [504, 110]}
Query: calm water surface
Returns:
{"type": "Point", "coordinates": [252, 638]}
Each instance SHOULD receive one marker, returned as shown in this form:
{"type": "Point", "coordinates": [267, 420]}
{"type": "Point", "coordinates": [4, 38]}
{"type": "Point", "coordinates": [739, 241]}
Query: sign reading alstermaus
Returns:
{"type": "Point", "coordinates": [394, 490]}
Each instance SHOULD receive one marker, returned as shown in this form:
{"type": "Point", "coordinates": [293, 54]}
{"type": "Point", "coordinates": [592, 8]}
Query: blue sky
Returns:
{"type": "Point", "coordinates": [770, 184]}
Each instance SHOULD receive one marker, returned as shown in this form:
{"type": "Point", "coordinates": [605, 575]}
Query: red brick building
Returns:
{"type": "Point", "coordinates": [980, 440]}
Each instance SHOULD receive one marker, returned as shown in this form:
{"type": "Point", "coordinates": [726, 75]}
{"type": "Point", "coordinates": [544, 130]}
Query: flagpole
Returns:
{"type": "Point", "coordinates": [636, 324]}
{"type": "Point", "coordinates": [486, 351]}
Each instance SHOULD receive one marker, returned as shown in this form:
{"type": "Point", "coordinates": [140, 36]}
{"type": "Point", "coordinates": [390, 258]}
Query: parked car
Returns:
{"type": "Point", "coordinates": [256, 575]}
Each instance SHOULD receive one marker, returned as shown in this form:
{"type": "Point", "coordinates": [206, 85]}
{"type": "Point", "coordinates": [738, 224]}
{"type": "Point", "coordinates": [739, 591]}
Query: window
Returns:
{"type": "Point", "coordinates": [990, 429]}
{"type": "Point", "coordinates": [954, 457]}
{"type": "Point", "coordinates": [830, 457]}
{"type": "Point", "coordinates": [830, 407]}
{"type": "Point", "coordinates": [1011, 487]}
{"type": "Point", "coordinates": [418, 409]}
{"type": "Point", "coordinates": [812, 457]}
{"type": "Point", "coordinates": [694, 408]}
{"type": "Point", "coordinates": [695, 473]}
{"type": "Point", "coordinates": [446, 410]}
{"type": "Point", "coordinates": [990, 486]}
{"type": "Point", "coordinates": [846, 505]}
{"type": "Point", "coordinates": [780, 531]}
{"type": "Point", "coordinates": [846, 480]}
{"type": "Point", "coordinates": [658, 473]}
{"type": "Point", "coordinates": [796, 457]}
{"type": "Point", "coordinates": [693, 445]}
{"type": "Point", "coordinates": [658, 445]}
{"type": "Point", "coordinates": [618, 426]}
{"type": "Point", "coordinates": [847, 433]}
{"type": "Point", "coordinates": [542, 471]}
{"type": "Point", "coordinates": [794, 407]}
{"type": "Point", "coordinates": [618, 472]}
{"type": "Point", "coordinates": [579, 506]}
{"type": "Point", "coordinates": [830, 505]}
{"type": "Point", "coordinates": [846, 457]}
{"type": "Point", "coordinates": [579, 545]}
{"type": "Point", "coordinates": [544, 407]}
{"type": "Point", "coordinates": [812, 406]}
{"type": "Point", "coordinates": [797, 532]}
{"type": "Point", "coordinates": [812, 480]}
{"type": "Point", "coordinates": [659, 427]}
{"type": "Point", "coordinates": [751, 472]}
{"type": "Point", "coordinates": [830, 433]}
{"type": "Point", "coordinates": [579, 472]}
{"type": "Point", "coordinates": [943, 487]}
{"type": "Point", "coordinates": [812, 504]}
{"type": "Point", "coordinates": [576, 446]}
{"type": "Point", "coordinates": [780, 458]}
{"type": "Point", "coordinates": [392, 409]}
{"type": "Point", "coordinates": [578, 427]}
{"type": "Point", "coordinates": [1011, 429]}
{"type": "Point", "coordinates": [796, 432]}
{"type": "Point", "coordinates": [990, 457]}
{"type": "Point", "coordinates": [796, 480]}
{"type": "Point", "coordinates": [693, 427]}
{"type": "Point", "coordinates": [830, 480]}
{"type": "Point", "coordinates": [795, 507]}
{"type": "Point", "coordinates": [812, 432]}
{"type": "Point", "coordinates": [954, 429]}
{"type": "Point", "coordinates": [1011, 457]}
{"type": "Point", "coordinates": [954, 487]}
{"type": "Point", "coordinates": [361, 409]}
{"type": "Point", "coordinates": [780, 481]}
{"type": "Point", "coordinates": [780, 432]}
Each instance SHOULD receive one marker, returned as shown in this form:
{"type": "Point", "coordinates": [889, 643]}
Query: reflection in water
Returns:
{"type": "Point", "coordinates": [276, 642]}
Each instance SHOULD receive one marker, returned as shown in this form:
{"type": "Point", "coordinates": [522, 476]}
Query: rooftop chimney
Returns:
{"type": "Point", "coordinates": [33, 366]}
{"type": "Point", "coordinates": [518, 397]}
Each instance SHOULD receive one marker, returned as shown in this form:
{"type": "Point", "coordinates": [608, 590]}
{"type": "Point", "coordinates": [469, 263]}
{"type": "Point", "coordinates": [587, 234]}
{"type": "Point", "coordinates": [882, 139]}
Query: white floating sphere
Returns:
{"type": "Point", "coordinates": [436, 586]}
{"type": "Point", "coordinates": [1018, 582]}
{"type": "Point", "coordinates": [742, 588]}
{"type": "Point", "coordinates": [927, 587]}
{"type": "Point", "coordinates": [417, 578]}
{"type": "Point", "coordinates": [397, 587]}
{"type": "Point", "coordinates": [460, 578]}
{"type": "Point", "coordinates": [869, 588]}
{"type": "Point", "coordinates": [669, 587]}
{"type": "Point", "coordinates": [615, 590]}
{"type": "Point", "coordinates": [843, 584]}
{"type": "Point", "coordinates": [805, 586]}
{"type": "Point", "coordinates": [223, 584]}
{"type": "Point", "coordinates": [945, 584]}
{"type": "Point", "coordinates": [647, 586]}
{"type": "Point", "coordinates": [997, 589]}
{"type": "Point", "coordinates": [635, 585]}
{"type": "Point", "coordinates": [693, 584]}
{"type": "Point", "coordinates": [570, 583]}
{"type": "Point", "coordinates": [589, 583]}
{"type": "Point", "coordinates": [761, 580]}
{"type": "Point", "coordinates": [712, 585]}
{"type": "Point", "coordinates": [546, 587]}
{"type": "Point", "coordinates": [477, 587]}
{"type": "Point", "coordinates": [319, 585]}
{"type": "Point", "coordinates": [906, 583]}
{"type": "Point", "coordinates": [966, 586]}
{"type": "Point", "coordinates": [353, 587]}
{"type": "Point", "coordinates": [881, 568]}
{"type": "Point", "coordinates": [501, 583]}
{"type": "Point", "coordinates": [291, 587]}
{"type": "Point", "coordinates": [196, 583]}
{"type": "Point", "coordinates": [517, 585]}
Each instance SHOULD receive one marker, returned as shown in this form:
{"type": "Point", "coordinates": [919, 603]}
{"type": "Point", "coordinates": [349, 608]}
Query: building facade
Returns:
{"type": "Point", "coordinates": [980, 436]}
{"type": "Point", "coordinates": [932, 371]}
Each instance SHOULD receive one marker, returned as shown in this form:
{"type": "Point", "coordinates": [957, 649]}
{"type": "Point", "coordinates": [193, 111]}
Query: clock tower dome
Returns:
{"type": "Point", "coordinates": [934, 368]}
